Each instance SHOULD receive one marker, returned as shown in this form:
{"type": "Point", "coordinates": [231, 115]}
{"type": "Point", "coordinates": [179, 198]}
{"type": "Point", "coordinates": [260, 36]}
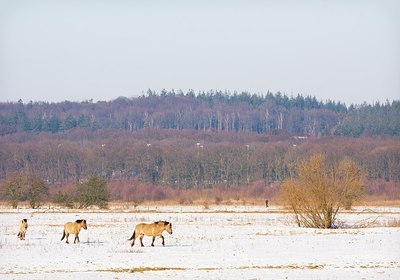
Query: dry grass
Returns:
{"type": "Point", "coordinates": [145, 269]}
{"type": "Point", "coordinates": [310, 266]}
{"type": "Point", "coordinates": [275, 201]}
{"type": "Point", "coordinates": [199, 202]}
{"type": "Point", "coordinates": [290, 266]}
{"type": "Point", "coordinates": [152, 269]}
{"type": "Point", "coordinates": [371, 201]}
{"type": "Point", "coordinates": [391, 223]}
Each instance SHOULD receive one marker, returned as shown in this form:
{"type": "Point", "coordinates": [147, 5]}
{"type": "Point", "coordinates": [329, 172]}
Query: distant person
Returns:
{"type": "Point", "coordinates": [266, 203]}
{"type": "Point", "coordinates": [23, 226]}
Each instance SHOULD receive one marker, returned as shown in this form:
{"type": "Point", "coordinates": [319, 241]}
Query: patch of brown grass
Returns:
{"type": "Point", "coordinates": [147, 269]}
{"type": "Point", "coordinates": [141, 269]}
{"type": "Point", "coordinates": [290, 266]}
{"type": "Point", "coordinates": [392, 223]}
{"type": "Point", "coordinates": [371, 201]}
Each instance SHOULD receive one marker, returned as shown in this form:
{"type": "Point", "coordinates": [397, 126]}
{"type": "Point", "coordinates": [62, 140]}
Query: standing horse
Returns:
{"type": "Point", "coordinates": [154, 229]}
{"type": "Point", "coordinates": [23, 227]}
{"type": "Point", "coordinates": [73, 228]}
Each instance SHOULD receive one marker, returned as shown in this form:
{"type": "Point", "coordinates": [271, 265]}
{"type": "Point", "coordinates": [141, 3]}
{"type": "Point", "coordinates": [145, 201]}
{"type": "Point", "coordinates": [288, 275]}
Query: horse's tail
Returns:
{"type": "Point", "coordinates": [63, 235]}
{"type": "Point", "coordinates": [133, 235]}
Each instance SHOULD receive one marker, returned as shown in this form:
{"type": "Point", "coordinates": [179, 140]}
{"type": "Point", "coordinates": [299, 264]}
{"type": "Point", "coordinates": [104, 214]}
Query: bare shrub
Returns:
{"type": "Point", "coordinates": [218, 200]}
{"type": "Point", "coordinates": [36, 191]}
{"type": "Point", "coordinates": [385, 190]}
{"type": "Point", "coordinates": [321, 189]}
{"type": "Point", "coordinates": [257, 189]}
{"type": "Point", "coordinates": [63, 199]}
{"type": "Point", "coordinates": [15, 189]}
{"type": "Point", "coordinates": [22, 187]}
{"type": "Point", "coordinates": [182, 200]}
{"type": "Point", "coordinates": [158, 194]}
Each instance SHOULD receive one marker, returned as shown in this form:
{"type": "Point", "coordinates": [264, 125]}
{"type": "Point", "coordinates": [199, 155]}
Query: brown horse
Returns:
{"type": "Point", "coordinates": [23, 226]}
{"type": "Point", "coordinates": [154, 229]}
{"type": "Point", "coordinates": [73, 228]}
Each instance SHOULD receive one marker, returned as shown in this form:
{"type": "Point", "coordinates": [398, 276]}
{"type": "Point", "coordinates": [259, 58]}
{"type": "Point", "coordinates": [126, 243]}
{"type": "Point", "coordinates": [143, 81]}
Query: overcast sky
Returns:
{"type": "Point", "coordinates": [346, 51]}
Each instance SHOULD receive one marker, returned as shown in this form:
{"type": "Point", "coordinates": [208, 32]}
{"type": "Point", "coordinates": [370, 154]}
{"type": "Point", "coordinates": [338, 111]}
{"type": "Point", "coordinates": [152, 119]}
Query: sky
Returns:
{"type": "Point", "coordinates": [347, 51]}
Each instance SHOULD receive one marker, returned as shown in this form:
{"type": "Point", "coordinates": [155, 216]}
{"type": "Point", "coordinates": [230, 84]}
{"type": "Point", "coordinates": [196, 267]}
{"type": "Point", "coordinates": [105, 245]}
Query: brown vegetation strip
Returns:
{"type": "Point", "coordinates": [147, 269]}
{"type": "Point", "coordinates": [140, 269]}
{"type": "Point", "coordinates": [150, 269]}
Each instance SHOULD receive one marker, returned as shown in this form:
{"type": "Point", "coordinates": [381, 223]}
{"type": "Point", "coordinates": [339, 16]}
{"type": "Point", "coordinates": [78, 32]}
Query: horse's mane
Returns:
{"type": "Point", "coordinates": [79, 221]}
{"type": "Point", "coordinates": [162, 222]}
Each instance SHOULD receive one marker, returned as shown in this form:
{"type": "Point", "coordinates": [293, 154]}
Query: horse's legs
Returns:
{"type": "Point", "coordinates": [141, 240]}
{"type": "Point", "coordinates": [21, 235]}
{"type": "Point", "coordinates": [66, 237]}
{"type": "Point", "coordinates": [152, 243]}
{"type": "Point", "coordinates": [76, 240]}
{"type": "Point", "coordinates": [162, 237]}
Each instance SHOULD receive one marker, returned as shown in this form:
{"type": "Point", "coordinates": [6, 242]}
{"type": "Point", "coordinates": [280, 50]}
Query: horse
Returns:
{"type": "Point", "coordinates": [73, 228]}
{"type": "Point", "coordinates": [23, 226]}
{"type": "Point", "coordinates": [154, 229]}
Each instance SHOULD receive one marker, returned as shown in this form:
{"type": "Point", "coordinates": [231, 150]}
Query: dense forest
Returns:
{"type": "Point", "coordinates": [197, 141]}
{"type": "Point", "coordinates": [213, 110]}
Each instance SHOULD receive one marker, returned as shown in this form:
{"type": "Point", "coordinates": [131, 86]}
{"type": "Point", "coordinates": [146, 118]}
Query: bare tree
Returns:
{"type": "Point", "coordinates": [36, 190]}
{"type": "Point", "coordinates": [21, 187]}
{"type": "Point", "coordinates": [14, 189]}
{"type": "Point", "coordinates": [321, 189]}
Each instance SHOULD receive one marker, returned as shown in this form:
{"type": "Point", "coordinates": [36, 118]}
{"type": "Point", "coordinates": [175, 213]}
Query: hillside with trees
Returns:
{"type": "Point", "coordinates": [213, 110]}
{"type": "Point", "coordinates": [162, 145]}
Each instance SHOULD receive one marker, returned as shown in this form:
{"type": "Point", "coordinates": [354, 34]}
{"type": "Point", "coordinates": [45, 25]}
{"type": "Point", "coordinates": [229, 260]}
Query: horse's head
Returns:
{"type": "Point", "coordinates": [24, 223]}
{"type": "Point", "coordinates": [82, 223]}
{"type": "Point", "coordinates": [168, 227]}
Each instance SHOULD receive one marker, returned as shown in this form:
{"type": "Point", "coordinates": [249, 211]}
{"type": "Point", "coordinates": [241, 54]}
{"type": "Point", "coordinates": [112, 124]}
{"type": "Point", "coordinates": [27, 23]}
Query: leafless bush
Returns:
{"type": "Point", "coordinates": [321, 189]}
{"type": "Point", "coordinates": [26, 187]}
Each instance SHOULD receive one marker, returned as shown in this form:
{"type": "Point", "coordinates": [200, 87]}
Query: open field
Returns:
{"type": "Point", "coordinates": [217, 242]}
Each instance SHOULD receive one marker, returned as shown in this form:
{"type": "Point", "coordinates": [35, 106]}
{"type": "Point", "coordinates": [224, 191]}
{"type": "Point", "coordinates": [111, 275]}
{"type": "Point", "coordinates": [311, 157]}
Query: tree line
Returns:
{"type": "Point", "coordinates": [206, 111]}
{"type": "Point", "coordinates": [160, 145]}
{"type": "Point", "coordinates": [186, 159]}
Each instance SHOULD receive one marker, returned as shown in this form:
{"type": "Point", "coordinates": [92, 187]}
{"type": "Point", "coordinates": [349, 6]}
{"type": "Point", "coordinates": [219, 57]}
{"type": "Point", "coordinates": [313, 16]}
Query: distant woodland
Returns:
{"type": "Point", "coordinates": [147, 146]}
{"type": "Point", "coordinates": [211, 111]}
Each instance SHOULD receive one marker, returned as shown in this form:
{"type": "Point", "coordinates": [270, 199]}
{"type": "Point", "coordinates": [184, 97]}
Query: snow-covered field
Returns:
{"type": "Point", "coordinates": [222, 242]}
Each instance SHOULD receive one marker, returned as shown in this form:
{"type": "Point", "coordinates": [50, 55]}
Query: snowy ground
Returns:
{"type": "Point", "coordinates": [225, 242]}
